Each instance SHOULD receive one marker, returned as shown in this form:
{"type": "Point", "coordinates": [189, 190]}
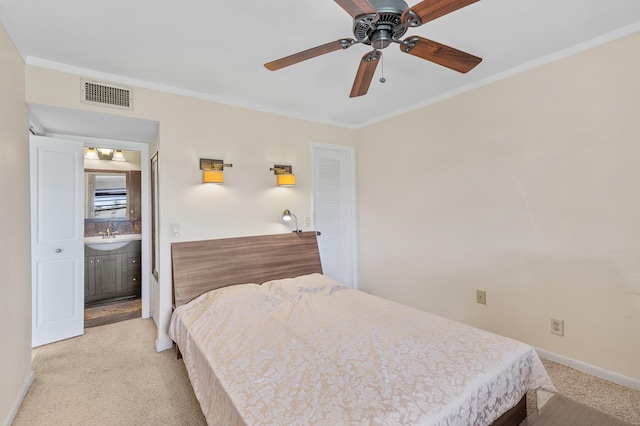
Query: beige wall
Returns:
{"type": "Point", "coordinates": [528, 188]}
{"type": "Point", "coordinates": [15, 255]}
{"type": "Point", "coordinates": [249, 203]}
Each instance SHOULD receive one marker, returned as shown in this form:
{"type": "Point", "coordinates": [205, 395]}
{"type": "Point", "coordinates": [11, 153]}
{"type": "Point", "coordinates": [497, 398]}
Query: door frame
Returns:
{"type": "Point", "coordinates": [350, 153]}
{"type": "Point", "coordinates": [145, 214]}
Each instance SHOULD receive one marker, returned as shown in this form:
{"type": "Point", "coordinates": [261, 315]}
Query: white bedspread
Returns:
{"type": "Point", "coordinates": [308, 350]}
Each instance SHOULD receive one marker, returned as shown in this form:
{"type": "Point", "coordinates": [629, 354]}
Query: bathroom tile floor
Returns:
{"type": "Point", "coordinates": [112, 312]}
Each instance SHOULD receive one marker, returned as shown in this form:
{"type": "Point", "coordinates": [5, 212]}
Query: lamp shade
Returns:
{"type": "Point", "coordinates": [286, 179]}
{"type": "Point", "coordinates": [91, 154]}
{"type": "Point", "coordinates": [118, 156]}
{"type": "Point", "coordinates": [213, 176]}
{"type": "Point", "coordinates": [287, 216]}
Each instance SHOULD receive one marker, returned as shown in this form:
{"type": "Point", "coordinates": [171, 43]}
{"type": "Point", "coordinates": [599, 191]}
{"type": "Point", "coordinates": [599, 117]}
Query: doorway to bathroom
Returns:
{"type": "Point", "coordinates": [88, 129]}
{"type": "Point", "coordinates": [113, 233]}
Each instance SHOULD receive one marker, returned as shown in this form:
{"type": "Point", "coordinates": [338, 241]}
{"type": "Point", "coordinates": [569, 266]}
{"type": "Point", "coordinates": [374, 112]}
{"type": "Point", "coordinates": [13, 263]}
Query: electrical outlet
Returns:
{"type": "Point", "coordinates": [481, 297]}
{"type": "Point", "coordinates": [556, 326]}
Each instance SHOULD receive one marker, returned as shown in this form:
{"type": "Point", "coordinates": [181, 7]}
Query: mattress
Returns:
{"type": "Point", "coordinates": [308, 350]}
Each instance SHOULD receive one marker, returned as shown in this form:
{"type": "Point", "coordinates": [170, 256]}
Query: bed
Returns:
{"type": "Point", "coordinates": [267, 339]}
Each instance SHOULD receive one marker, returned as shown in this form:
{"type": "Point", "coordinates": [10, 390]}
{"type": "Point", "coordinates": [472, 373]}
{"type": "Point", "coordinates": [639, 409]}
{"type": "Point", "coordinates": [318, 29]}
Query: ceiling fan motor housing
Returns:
{"type": "Point", "coordinates": [381, 32]}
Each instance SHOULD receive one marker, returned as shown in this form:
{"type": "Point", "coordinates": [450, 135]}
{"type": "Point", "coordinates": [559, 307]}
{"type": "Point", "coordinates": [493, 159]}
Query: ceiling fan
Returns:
{"type": "Point", "coordinates": [379, 23]}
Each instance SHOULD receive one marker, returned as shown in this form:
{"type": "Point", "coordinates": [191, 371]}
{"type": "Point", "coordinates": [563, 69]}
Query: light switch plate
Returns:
{"type": "Point", "coordinates": [175, 229]}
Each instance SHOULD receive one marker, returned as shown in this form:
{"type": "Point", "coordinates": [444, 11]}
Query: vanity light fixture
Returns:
{"type": "Point", "coordinates": [92, 154]}
{"type": "Point", "coordinates": [118, 156]}
{"type": "Point", "coordinates": [284, 174]}
{"type": "Point", "coordinates": [104, 154]}
{"type": "Point", "coordinates": [287, 215]}
{"type": "Point", "coordinates": [213, 170]}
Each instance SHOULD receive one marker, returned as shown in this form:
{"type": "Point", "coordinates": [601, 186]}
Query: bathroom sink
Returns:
{"type": "Point", "coordinates": [111, 243]}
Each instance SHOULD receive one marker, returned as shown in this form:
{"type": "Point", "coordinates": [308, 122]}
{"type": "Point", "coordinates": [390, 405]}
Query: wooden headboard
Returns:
{"type": "Point", "coordinates": [200, 266]}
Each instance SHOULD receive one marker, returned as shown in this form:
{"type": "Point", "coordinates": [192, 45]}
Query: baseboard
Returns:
{"type": "Point", "coordinates": [18, 403]}
{"type": "Point", "coordinates": [163, 345]}
{"type": "Point", "coordinates": [611, 376]}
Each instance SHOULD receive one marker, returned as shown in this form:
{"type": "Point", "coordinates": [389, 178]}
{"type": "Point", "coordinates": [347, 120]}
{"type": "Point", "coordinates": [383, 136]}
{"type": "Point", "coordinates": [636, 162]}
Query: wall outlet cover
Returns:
{"type": "Point", "coordinates": [556, 326]}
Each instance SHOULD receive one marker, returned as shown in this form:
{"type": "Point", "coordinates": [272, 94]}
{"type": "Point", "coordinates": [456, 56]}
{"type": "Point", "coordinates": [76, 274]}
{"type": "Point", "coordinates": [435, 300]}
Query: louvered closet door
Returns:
{"type": "Point", "coordinates": [334, 210]}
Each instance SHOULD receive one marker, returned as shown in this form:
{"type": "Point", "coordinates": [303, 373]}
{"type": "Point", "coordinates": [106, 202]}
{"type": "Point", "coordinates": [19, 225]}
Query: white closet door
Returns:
{"type": "Point", "coordinates": [57, 239]}
{"type": "Point", "coordinates": [334, 210]}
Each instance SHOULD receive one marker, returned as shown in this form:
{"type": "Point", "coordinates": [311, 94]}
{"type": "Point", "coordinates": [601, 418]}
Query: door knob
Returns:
{"type": "Point", "coordinates": [58, 250]}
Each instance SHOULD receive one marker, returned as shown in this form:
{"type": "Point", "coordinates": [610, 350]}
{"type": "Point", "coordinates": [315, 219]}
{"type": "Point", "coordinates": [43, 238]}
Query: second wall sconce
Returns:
{"type": "Point", "coordinates": [213, 170]}
{"type": "Point", "coordinates": [285, 175]}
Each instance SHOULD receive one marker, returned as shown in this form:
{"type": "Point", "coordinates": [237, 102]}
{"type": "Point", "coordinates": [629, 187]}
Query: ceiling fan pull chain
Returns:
{"type": "Point", "coordinates": [382, 79]}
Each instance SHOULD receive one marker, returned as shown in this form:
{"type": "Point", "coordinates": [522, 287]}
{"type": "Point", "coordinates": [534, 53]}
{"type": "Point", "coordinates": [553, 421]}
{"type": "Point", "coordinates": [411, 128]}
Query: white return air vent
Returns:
{"type": "Point", "coordinates": [106, 94]}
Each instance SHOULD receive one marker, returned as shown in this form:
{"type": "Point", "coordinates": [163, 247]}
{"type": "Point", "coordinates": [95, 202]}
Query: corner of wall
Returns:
{"type": "Point", "coordinates": [16, 405]}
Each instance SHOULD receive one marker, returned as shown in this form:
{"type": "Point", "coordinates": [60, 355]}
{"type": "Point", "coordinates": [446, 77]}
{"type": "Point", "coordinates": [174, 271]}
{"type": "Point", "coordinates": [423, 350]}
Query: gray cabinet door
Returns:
{"type": "Point", "coordinates": [89, 276]}
{"type": "Point", "coordinates": [107, 277]}
{"type": "Point", "coordinates": [112, 274]}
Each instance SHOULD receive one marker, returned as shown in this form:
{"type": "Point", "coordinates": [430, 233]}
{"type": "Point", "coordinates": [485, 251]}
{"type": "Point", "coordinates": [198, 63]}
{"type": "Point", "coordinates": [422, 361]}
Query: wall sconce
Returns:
{"type": "Point", "coordinates": [213, 170]}
{"type": "Point", "coordinates": [284, 174]}
{"type": "Point", "coordinates": [287, 215]}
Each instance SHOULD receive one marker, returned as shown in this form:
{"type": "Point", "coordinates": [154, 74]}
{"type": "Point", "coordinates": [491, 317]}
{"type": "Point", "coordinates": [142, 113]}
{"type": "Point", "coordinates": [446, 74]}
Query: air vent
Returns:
{"type": "Point", "coordinates": [106, 94]}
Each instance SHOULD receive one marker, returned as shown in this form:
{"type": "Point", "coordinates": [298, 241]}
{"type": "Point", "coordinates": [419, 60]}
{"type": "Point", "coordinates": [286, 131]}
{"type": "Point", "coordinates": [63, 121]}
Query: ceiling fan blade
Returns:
{"type": "Point", "coordinates": [365, 73]}
{"type": "Point", "coordinates": [356, 7]}
{"type": "Point", "coordinates": [441, 54]}
{"type": "Point", "coordinates": [428, 10]}
{"type": "Point", "coordinates": [309, 53]}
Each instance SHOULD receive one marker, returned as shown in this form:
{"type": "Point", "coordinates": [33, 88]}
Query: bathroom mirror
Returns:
{"type": "Point", "coordinates": [106, 194]}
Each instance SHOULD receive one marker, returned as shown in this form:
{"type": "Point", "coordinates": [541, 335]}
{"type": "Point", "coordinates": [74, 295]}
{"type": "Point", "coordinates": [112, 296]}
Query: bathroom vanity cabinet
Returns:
{"type": "Point", "coordinates": [112, 274]}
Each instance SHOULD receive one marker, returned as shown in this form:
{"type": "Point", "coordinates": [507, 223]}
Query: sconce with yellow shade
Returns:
{"type": "Point", "coordinates": [213, 170]}
{"type": "Point", "coordinates": [284, 174]}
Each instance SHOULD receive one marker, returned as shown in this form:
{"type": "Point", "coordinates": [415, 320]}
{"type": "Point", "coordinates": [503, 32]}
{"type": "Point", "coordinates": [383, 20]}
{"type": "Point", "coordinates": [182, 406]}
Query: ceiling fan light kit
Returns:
{"type": "Point", "coordinates": [379, 23]}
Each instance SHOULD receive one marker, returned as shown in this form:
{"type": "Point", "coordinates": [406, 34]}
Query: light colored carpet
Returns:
{"type": "Point", "coordinates": [113, 376]}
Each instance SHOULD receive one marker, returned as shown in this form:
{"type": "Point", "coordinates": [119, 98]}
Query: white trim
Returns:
{"type": "Point", "coordinates": [619, 379]}
{"type": "Point", "coordinates": [164, 344]}
{"type": "Point", "coordinates": [350, 151]}
{"type": "Point", "coordinates": [16, 405]}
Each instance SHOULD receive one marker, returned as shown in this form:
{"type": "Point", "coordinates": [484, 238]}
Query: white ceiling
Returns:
{"type": "Point", "coordinates": [216, 49]}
